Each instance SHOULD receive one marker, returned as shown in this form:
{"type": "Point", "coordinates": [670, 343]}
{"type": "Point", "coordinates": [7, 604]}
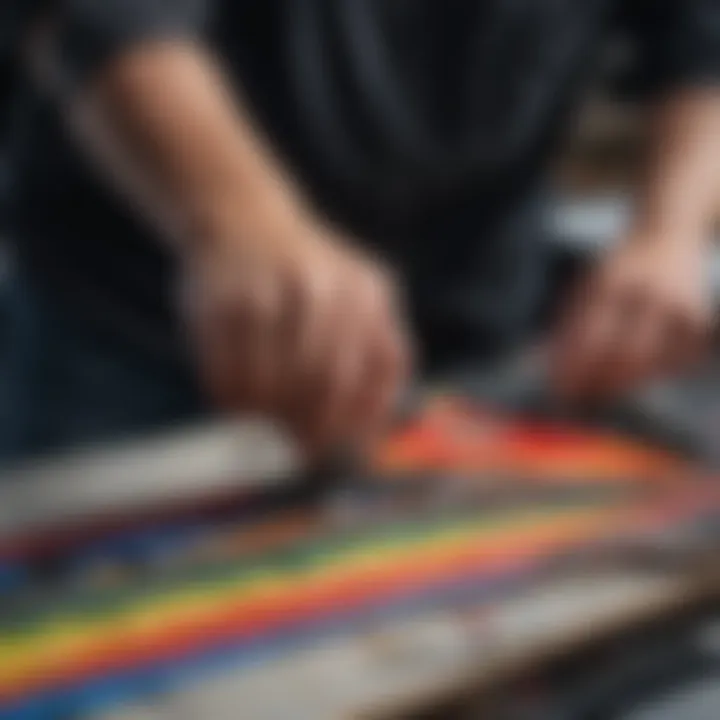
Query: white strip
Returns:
{"type": "Point", "coordinates": [402, 667]}
{"type": "Point", "coordinates": [182, 465]}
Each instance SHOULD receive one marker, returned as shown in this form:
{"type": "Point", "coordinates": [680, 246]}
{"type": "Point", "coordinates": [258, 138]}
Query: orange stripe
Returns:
{"type": "Point", "coordinates": [336, 591]}
{"type": "Point", "coordinates": [239, 619]}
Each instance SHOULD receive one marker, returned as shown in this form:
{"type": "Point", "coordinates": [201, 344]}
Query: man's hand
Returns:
{"type": "Point", "coordinates": [644, 313]}
{"type": "Point", "coordinates": [293, 323]}
{"type": "Point", "coordinates": [288, 320]}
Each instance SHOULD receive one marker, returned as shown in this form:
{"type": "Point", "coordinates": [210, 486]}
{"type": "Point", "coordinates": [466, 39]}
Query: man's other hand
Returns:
{"type": "Point", "coordinates": [644, 313]}
{"type": "Point", "coordinates": [293, 323]}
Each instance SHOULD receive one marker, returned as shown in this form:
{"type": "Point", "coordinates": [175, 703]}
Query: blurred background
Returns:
{"type": "Point", "coordinates": [588, 208]}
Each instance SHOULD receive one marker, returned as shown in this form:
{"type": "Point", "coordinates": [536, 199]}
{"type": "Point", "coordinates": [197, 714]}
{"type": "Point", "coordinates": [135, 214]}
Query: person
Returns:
{"type": "Point", "coordinates": [294, 207]}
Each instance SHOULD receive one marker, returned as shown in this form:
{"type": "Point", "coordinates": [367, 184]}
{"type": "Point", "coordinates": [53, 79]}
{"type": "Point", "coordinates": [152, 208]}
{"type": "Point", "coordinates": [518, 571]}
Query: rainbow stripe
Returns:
{"type": "Point", "coordinates": [296, 591]}
{"type": "Point", "coordinates": [288, 582]}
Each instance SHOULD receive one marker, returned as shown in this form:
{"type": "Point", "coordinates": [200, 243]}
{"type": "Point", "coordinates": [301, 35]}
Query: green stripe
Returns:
{"type": "Point", "coordinates": [288, 561]}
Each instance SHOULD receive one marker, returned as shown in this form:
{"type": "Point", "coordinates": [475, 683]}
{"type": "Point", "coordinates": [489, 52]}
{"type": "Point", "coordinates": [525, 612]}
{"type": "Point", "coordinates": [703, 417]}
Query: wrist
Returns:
{"type": "Point", "coordinates": [228, 220]}
{"type": "Point", "coordinates": [680, 236]}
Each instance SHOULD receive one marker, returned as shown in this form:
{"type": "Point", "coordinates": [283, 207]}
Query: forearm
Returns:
{"type": "Point", "coordinates": [680, 198]}
{"type": "Point", "coordinates": [266, 299]}
{"type": "Point", "coordinates": [163, 125]}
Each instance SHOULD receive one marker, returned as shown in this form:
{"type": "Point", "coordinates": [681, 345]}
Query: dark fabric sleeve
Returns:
{"type": "Point", "coordinates": [87, 34]}
{"type": "Point", "coordinates": [15, 17]}
{"type": "Point", "coordinates": [90, 33]}
{"type": "Point", "coordinates": [677, 42]}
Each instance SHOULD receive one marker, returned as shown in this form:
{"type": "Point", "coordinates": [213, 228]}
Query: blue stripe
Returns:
{"type": "Point", "coordinates": [12, 578]}
{"type": "Point", "coordinates": [158, 678]}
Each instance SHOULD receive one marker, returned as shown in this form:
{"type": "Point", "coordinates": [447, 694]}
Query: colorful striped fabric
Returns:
{"type": "Point", "coordinates": [454, 435]}
{"type": "Point", "coordinates": [248, 592]}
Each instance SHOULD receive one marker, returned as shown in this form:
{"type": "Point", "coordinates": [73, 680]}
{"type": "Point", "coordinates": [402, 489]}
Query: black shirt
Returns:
{"type": "Point", "coordinates": [424, 127]}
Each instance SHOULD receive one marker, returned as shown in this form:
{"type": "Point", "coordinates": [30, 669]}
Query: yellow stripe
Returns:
{"type": "Point", "coordinates": [271, 575]}
{"type": "Point", "coordinates": [20, 657]}
{"type": "Point", "coordinates": [179, 609]}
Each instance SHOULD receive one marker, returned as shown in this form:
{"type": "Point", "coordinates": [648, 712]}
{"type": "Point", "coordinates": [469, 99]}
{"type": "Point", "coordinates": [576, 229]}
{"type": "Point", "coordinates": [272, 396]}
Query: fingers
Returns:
{"type": "Point", "coordinates": [315, 344]}
{"type": "Point", "coordinates": [588, 330]}
{"type": "Point", "coordinates": [387, 377]}
{"type": "Point", "coordinates": [257, 318]}
{"type": "Point", "coordinates": [347, 389]}
{"type": "Point", "coordinates": [639, 352]}
{"type": "Point", "coordinates": [622, 334]}
{"type": "Point", "coordinates": [384, 370]}
{"type": "Point", "coordinates": [688, 340]}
